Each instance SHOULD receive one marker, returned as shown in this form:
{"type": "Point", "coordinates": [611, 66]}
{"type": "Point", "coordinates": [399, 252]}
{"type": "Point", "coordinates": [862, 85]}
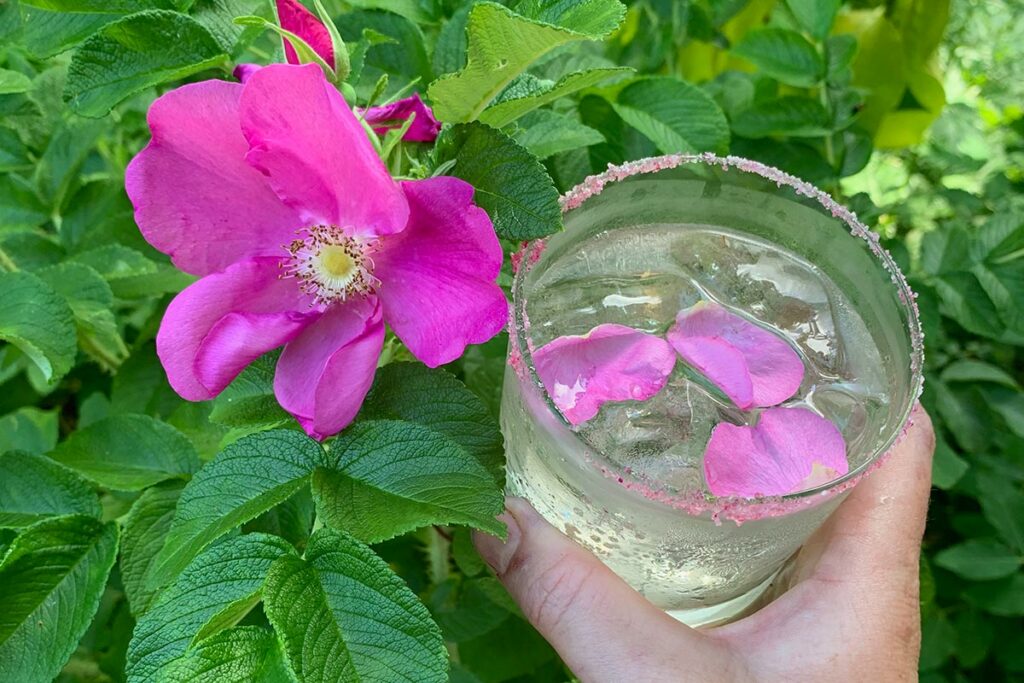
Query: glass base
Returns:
{"type": "Point", "coordinates": [731, 610]}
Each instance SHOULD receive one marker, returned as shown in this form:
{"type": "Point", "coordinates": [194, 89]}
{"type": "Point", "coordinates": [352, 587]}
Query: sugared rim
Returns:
{"type": "Point", "coordinates": [733, 508]}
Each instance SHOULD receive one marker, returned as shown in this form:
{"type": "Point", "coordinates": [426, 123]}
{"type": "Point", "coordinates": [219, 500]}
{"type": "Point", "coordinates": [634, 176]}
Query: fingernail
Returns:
{"type": "Point", "coordinates": [495, 552]}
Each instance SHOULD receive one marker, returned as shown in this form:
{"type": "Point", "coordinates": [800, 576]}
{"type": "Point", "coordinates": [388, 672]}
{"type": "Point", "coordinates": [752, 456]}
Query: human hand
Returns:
{"type": "Point", "coordinates": [851, 611]}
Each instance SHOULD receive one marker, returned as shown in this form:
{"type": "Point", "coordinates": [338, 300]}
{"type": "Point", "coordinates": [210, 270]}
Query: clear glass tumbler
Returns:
{"type": "Point", "coordinates": [705, 560]}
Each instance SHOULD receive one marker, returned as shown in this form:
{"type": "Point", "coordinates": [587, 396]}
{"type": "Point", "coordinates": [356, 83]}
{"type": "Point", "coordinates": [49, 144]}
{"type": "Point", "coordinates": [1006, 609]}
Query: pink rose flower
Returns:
{"type": "Point", "coordinates": [424, 127]}
{"type": "Point", "coordinates": [272, 193]}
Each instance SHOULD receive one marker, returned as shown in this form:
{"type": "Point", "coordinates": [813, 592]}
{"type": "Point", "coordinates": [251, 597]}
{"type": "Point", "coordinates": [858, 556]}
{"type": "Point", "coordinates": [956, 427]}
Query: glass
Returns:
{"type": "Point", "coordinates": [705, 560]}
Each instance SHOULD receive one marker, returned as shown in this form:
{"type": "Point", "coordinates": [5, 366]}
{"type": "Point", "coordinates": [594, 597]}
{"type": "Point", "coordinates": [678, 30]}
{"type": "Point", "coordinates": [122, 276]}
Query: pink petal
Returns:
{"type": "Point", "coordinates": [195, 197]}
{"type": "Point", "coordinates": [323, 376]}
{"type": "Point", "coordinates": [761, 369]}
{"type": "Point", "coordinates": [438, 289]}
{"type": "Point", "coordinates": [789, 450]}
{"type": "Point", "coordinates": [220, 324]}
{"type": "Point", "coordinates": [424, 127]}
{"type": "Point", "coordinates": [609, 363]}
{"type": "Point", "coordinates": [294, 17]}
{"type": "Point", "coordinates": [316, 155]}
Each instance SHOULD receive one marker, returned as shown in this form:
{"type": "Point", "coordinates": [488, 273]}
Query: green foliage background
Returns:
{"type": "Point", "coordinates": [908, 110]}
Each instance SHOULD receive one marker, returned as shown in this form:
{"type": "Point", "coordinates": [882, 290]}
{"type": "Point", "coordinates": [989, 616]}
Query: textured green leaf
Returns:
{"type": "Point", "coordinates": [464, 610]}
{"type": "Point", "coordinates": [292, 520]}
{"type": "Point", "coordinates": [33, 488]}
{"type": "Point", "coordinates": [39, 322]}
{"type": "Point", "coordinates": [249, 400]}
{"type": "Point", "coordinates": [436, 399]}
{"type": "Point", "coordinates": [244, 654]}
{"type": "Point", "coordinates": [218, 17]}
{"type": "Point", "coordinates": [1004, 598]}
{"type": "Point", "coordinates": [51, 580]}
{"type": "Point", "coordinates": [28, 429]}
{"type": "Point", "coordinates": [815, 16]}
{"type": "Point", "coordinates": [782, 54]}
{"type": "Point", "coordinates": [116, 261]}
{"type": "Point", "coordinates": [13, 82]}
{"type": "Point", "coordinates": [511, 184]}
{"type": "Point", "coordinates": [345, 616]}
{"type": "Point", "coordinates": [979, 560]}
{"type": "Point", "coordinates": [513, 649]}
{"type": "Point", "coordinates": [1002, 502]}
{"type": "Point", "coordinates": [62, 160]}
{"type": "Point", "coordinates": [128, 452]}
{"type": "Point", "coordinates": [546, 133]}
{"type": "Point", "coordinates": [226, 575]}
{"type": "Point", "coordinates": [674, 115]}
{"type": "Point", "coordinates": [968, 370]}
{"type": "Point", "coordinates": [135, 53]}
{"type": "Point", "coordinates": [19, 204]}
{"type": "Point", "coordinates": [249, 477]}
{"type": "Point", "coordinates": [947, 466]}
{"type": "Point", "coordinates": [92, 303]}
{"type": "Point", "coordinates": [389, 477]}
{"type": "Point", "coordinates": [502, 44]}
{"type": "Point", "coordinates": [793, 116]}
{"type": "Point", "coordinates": [49, 32]}
{"type": "Point", "coordinates": [508, 109]}
{"type": "Point", "coordinates": [145, 529]}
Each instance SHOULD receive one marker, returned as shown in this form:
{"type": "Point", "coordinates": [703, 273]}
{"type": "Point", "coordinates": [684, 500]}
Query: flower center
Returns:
{"type": "Point", "coordinates": [330, 265]}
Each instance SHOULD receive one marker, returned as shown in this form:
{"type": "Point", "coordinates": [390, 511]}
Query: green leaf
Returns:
{"type": "Point", "coordinates": [19, 204]}
{"type": "Point", "coordinates": [782, 54]}
{"type": "Point", "coordinates": [508, 109]}
{"type": "Point", "coordinates": [13, 82]}
{"type": "Point", "coordinates": [28, 429]}
{"type": "Point", "coordinates": [345, 616]}
{"type": "Point", "coordinates": [128, 452]}
{"type": "Point", "coordinates": [502, 44]}
{"type": "Point", "coordinates": [792, 116]}
{"type": "Point", "coordinates": [513, 649]}
{"type": "Point", "coordinates": [436, 399]}
{"type": "Point", "coordinates": [974, 635]}
{"type": "Point", "coordinates": [39, 322]}
{"type": "Point", "coordinates": [228, 574]}
{"type": "Point", "coordinates": [967, 370]}
{"type": "Point", "coordinates": [33, 488]}
{"type": "Point", "coordinates": [52, 576]}
{"type": "Point", "coordinates": [390, 477]}
{"type": "Point", "coordinates": [218, 17]}
{"type": "Point", "coordinates": [979, 560]}
{"type": "Point", "coordinates": [1002, 502]}
{"type": "Point", "coordinates": [947, 466]}
{"type": "Point", "coordinates": [248, 478]}
{"type": "Point", "coordinates": [49, 32]}
{"type": "Point", "coordinates": [511, 184]}
{"type": "Point", "coordinates": [546, 133]}
{"type": "Point", "coordinates": [145, 529]}
{"type": "Point", "coordinates": [92, 303]}
{"type": "Point", "coordinates": [674, 115]}
{"type": "Point", "coordinates": [62, 160]}
{"type": "Point", "coordinates": [464, 610]}
{"type": "Point", "coordinates": [244, 654]}
{"type": "Point", "coordinates": [249, 400]}
{"type": "Point", "coordinates": [937, 639]}
{"type": "Point", "coordinates": [1004, 598]}
{"type": "Point", "coordinates": [115, 261]}
{"type": "Point", "coordinates": [815, 16]}
{"type": "Point", "coordinates": [140, 51]}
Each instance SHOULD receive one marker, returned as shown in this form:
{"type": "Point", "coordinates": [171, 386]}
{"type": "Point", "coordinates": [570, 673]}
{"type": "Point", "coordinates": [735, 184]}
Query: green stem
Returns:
{"type": "Point", "coordinates": [438, 553]}
{"type": "Point", "coordinates": [7, 263]}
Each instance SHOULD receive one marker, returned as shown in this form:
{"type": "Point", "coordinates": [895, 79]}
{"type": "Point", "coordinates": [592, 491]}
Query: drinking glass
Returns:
{"type": "Point", "coordinates": [704, 559]}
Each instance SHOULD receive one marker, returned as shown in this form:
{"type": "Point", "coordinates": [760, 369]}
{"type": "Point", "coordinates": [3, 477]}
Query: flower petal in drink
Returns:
{"type": "Point", "coordinates": [750, 364]}
{"type": "Point", "coordinates": [609, 363]}
{"type": "Point", "coordinates": [789, 450]}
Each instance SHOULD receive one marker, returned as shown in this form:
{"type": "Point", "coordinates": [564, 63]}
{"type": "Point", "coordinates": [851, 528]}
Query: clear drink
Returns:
{"type": "Point", "coordinates": [628, 484]}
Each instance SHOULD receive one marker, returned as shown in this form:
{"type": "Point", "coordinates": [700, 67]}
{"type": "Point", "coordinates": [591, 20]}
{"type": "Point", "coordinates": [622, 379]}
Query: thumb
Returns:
{"type": "Point", "coordinates": [602, 628]}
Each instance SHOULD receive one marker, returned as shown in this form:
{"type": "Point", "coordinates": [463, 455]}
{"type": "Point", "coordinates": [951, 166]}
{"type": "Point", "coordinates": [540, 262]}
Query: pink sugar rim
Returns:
{"type": "Point", "coordinates": [736, 509]}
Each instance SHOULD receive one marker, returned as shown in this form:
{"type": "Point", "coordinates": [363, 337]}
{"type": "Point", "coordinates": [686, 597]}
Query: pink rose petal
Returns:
{"type": "Point", "coordinates": [438, 290]}
{"type": "Point", "coordinates": [424, 127]}
{"type": "Point", "coordinates": [610, 363]}
{"type": "Point", "coordinates": [195, 198]}
{"type": "Point", "coordinates": [750, 364]}
{"type": "Point", "coordinates": [789, 450]}
{"type": "Point", "coordinates": [323, 376]}
{"type": "Point", "coordinates": [305, 139]}
{"type": "Point", "coordinates": [294, 17]}
{"type": "Point", "coordinates": [221, 323]}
